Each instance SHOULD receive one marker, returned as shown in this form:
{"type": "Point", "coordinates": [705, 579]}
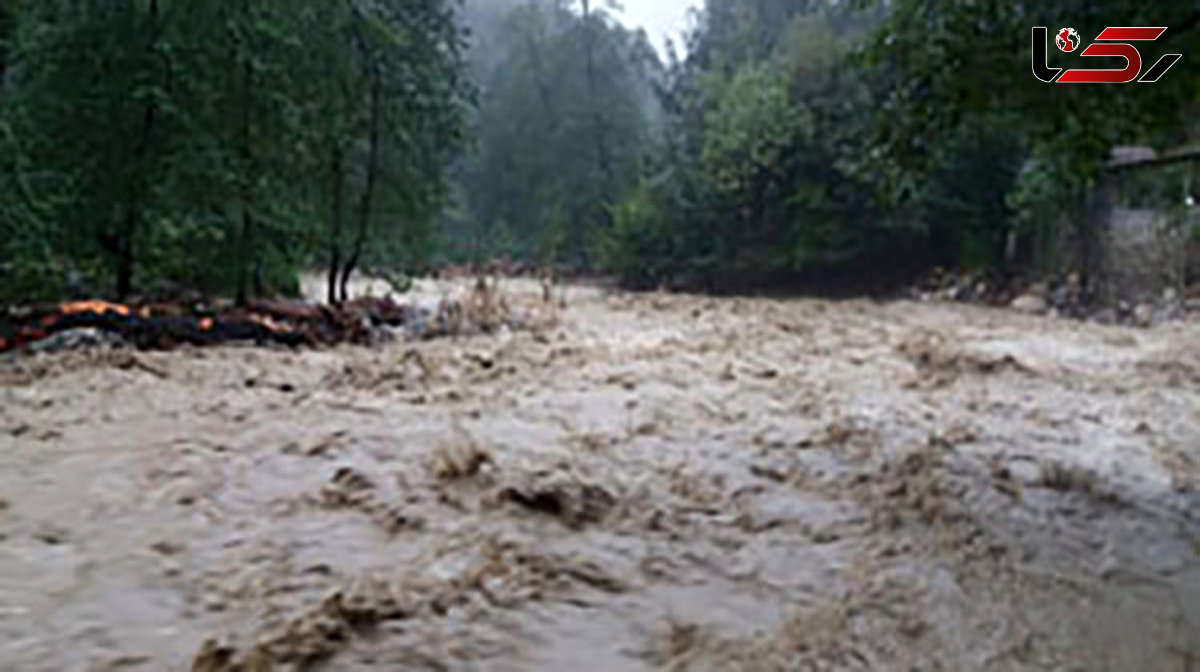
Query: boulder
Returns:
{"type": "Point", "coordinates": [1033, 304]}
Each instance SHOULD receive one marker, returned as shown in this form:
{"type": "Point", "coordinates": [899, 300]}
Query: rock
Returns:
{"type": "Point", "coordinates": [78, 339]}
{"type": "Point", "coordinates": [1143, 315]}
{"type": "Point", "coordinates": [1032, 304]}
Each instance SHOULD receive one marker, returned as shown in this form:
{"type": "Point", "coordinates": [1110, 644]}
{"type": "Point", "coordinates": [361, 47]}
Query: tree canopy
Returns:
{"type": "Point", "coordinates": [156, 146]}
{"type": "Point", "coordinates": [220, 145]}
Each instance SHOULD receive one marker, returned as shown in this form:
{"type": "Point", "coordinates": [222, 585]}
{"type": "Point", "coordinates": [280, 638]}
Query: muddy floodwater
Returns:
{"type": "Point", "coordinates": [655, 482]}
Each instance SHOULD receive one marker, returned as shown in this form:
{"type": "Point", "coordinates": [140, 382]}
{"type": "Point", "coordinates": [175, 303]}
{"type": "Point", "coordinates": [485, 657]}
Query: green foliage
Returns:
{"type": "Point", "coordinates": [960, 70]}
{"type": "Point", "coordinates": [563, 125]}
{"type": "Point", "coordinates": [165, 145]}
{"type": "Point", "coordinates": [640, 248]}
{"type": "Point", "coordinates": [812, 135]}
{"type": "Point", "coordinates": [219, 146]}
{"type": "Point", "coordinates": [965, 204]}
{"type": "Point", "coordinates": [951, 61]}
{"type": "Point", "coordinates": [750, 132]}
{"type": "Point", "coordinates": [766, 175]}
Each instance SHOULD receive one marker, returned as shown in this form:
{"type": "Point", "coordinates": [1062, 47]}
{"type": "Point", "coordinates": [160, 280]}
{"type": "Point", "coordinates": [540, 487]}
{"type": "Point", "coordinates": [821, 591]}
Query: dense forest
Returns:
{"type": "Point", "coordinates": [220, 146]}
{"type": "Point", "coordinates": [158, 146]}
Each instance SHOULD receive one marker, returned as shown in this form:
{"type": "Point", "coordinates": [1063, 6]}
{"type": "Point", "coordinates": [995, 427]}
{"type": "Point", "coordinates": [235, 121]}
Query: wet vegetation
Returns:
{"type": "Point", "coordinates": [161, 147]}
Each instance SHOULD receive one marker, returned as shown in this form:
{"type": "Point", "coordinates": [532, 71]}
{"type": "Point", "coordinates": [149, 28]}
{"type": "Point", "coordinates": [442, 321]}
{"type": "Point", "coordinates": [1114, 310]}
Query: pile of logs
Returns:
{"type": "Point", "coordinates": [165, 326]}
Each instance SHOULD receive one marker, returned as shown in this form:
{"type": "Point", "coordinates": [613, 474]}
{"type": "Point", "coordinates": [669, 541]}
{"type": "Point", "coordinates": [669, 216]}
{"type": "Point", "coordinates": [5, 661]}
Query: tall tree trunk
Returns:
{"type": "Point", "coordinates": [245, 271]}
{"type": "Point", "coordinates": [247, 234]}
{"type": "Point", "coordinates": [599, 131]}
{"type": "Point", "coordinates": [539, 75]}
{"type": "Point", "coordinates": [337, 182]}
{"type": "Point", "coordinates": [130, 223]}
{"type": "Point", "coordinates": [598, 128]}
{"type": "Point", "coordinates": [366, 202]}
{"type": "Point", "coordinates": [125, 257]}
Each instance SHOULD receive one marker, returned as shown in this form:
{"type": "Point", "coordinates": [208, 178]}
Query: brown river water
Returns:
{"type": "Point", "coordinates": [654, 482]}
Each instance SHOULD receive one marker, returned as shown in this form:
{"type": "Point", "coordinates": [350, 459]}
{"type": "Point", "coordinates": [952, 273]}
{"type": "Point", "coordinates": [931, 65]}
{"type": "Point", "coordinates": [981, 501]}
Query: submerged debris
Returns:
{"type": "Point", "coordinates": [459, 460]}
{"type": "Point", "coordinates": [576, 503]}
{"type": "Point", "coordinates": [75, 339]}
{"type": "Point", "coordinates": [939, 361]}
{"type": "Point", "coordinates": [1061, 297]}
{"type": "Point", "coordinates": [161, 326]}
{"type": "Point", "coordinates": [501, 575]}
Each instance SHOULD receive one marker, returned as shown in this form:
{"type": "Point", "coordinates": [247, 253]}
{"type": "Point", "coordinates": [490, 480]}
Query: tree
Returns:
{"type": "Point", "coordinates": [765, 175]}
{"type": "Point", "coordinates": [950, 60]}
{"type": "Point", "coordinates": [392, 108]}
{"type": "Point", "coordinates": [959, 66]}
{"type": "Point", "coordinates": [120, 84]}
{"type": "Point", "coordinates": [194, 144]}
{"type": "Point", "coordinates": [564, 120]}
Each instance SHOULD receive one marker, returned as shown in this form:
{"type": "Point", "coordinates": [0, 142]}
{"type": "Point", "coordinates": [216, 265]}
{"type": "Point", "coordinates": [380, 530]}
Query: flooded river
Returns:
{"type": "Point", "coordinates": [653, 482]}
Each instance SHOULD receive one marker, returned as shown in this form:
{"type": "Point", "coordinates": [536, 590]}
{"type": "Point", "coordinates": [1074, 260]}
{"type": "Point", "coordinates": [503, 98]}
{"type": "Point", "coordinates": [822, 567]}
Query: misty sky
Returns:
{"type": "Point", "coordinates": [660, 18]}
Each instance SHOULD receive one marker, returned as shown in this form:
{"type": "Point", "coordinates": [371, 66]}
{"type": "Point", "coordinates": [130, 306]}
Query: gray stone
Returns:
{"type": "Point", "coordinates": [78, 339]}
{"type": "Point", "coordinates": [1029, 303]}
{"type": "Point", "coordinates": [1143, 315]}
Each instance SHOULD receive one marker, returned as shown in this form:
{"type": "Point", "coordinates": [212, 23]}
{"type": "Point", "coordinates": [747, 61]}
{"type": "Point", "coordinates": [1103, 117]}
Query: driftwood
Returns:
{"type": "Point", "coordinates": [165, 326]}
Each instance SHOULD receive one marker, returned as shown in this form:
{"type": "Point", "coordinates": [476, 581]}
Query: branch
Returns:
{"type": "Point", "coordinates": [1177, 155]}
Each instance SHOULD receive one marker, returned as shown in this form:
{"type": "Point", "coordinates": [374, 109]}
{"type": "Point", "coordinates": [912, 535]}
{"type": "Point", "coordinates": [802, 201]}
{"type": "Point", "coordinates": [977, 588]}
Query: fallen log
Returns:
{"type": "Point", "coordinates": [163, 327]}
